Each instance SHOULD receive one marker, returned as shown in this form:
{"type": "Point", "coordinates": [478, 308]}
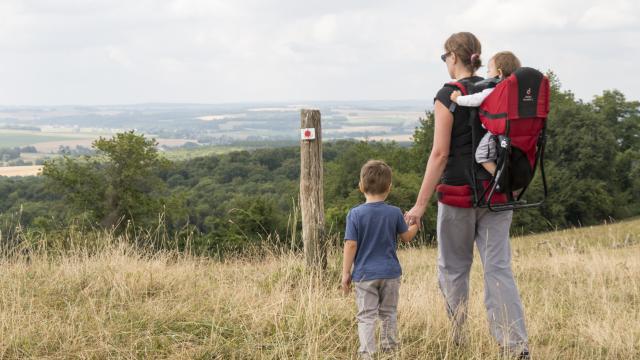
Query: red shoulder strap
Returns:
{"type": "Point", "coordinates": [458, 85]}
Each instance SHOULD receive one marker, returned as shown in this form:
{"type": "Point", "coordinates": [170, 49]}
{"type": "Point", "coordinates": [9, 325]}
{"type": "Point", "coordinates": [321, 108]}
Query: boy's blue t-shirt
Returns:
{"type": "Point", "coordinates": [374, 226]}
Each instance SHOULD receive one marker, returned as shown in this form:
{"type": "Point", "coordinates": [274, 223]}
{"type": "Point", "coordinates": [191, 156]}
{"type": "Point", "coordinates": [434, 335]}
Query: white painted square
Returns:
{"type": "Point", "coordinates": [308, 134]}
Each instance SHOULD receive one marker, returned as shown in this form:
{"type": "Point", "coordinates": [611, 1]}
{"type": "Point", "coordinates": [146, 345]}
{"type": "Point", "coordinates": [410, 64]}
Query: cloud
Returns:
{"type": "Point", "coordinates": [324, 29]}
{"type": "Point", "coordinates": [516, 15]}
{"type": "Point", "coordinates": [118, 56]}
{"type": "Point", "coordinates": [611, 15]}
{"type": "Point", "coordinates": [120, 51]}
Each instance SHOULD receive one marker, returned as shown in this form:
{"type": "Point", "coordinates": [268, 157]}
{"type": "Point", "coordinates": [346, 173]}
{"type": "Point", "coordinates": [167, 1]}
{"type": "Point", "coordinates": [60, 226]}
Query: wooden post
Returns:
{"type": "Point", "coordinates": [311, 190]}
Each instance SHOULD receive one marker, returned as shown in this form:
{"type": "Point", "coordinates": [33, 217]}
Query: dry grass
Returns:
{"type": "Point", "coordinates": [580, 288]}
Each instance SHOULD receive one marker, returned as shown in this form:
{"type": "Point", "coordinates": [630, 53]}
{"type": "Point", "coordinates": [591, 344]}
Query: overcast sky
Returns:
{"type": "Point", "coordinates": [56, 52]}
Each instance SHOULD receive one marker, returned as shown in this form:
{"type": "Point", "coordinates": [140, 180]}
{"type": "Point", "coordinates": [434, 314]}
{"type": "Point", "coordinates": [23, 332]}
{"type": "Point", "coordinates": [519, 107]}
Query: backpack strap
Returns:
{"type": "Point", "coordinates": [456, 85]}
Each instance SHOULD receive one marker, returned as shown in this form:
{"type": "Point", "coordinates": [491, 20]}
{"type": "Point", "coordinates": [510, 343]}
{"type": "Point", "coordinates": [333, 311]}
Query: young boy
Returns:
{"type": "Point", "coordinates": [370, 246]}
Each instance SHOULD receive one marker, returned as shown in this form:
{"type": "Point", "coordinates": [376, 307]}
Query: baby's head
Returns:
{"type": "Point", "coordinates": [375, 178]}
{"type": "Point", "coordinates": [502, 64]}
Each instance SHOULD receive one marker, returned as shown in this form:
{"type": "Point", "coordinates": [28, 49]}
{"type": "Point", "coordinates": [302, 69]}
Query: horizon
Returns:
{"type": "Point", "coordinates": [279, 102]}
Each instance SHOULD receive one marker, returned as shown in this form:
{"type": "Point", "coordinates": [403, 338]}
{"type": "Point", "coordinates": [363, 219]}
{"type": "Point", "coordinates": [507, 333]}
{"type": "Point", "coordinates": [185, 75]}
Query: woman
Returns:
{"type": "Point", "coordinates": [459, 226]}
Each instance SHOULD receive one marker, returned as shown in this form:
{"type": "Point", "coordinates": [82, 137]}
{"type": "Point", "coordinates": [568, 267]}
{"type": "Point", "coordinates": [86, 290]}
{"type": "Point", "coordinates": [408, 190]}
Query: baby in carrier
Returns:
{"type": "Point", "coordinates": [500, 66]}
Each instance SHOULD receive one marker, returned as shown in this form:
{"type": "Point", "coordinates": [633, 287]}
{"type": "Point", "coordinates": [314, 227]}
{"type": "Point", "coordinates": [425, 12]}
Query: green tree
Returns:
{"type": "Point", "coordinates": [622, 116]}
{"type": "Point", "coordinates": [423, 139]}
{"type": "Point", "coordinates": [121, 184]}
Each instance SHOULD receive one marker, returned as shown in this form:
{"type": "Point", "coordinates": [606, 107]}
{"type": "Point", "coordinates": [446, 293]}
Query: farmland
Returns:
{"type": "Point", "coordinates": [20, 170]}
{"type": "Point", "coordinates": [217, 123]}
{"type": "Point", "coordinates": [187, 131]}
{"type": "Point", "coordinates": [12, 138]}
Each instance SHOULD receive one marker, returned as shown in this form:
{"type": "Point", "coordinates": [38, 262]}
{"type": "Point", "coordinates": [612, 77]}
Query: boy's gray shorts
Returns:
{"type": "Point", "coordinates": [377, 299]}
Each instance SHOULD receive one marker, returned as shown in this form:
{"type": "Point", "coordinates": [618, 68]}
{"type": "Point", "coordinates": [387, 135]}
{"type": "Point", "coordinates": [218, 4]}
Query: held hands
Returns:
{"type": "Point", "coordinates": [454, 96]}
{"type": "Point", "coordinates": [414, 216]}
{"type": "Point", "coordinates": [346, 284]}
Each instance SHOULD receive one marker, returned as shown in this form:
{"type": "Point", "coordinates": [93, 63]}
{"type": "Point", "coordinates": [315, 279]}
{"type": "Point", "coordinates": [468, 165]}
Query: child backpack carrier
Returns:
{"type": "Point", "coordinates": [515, 113]}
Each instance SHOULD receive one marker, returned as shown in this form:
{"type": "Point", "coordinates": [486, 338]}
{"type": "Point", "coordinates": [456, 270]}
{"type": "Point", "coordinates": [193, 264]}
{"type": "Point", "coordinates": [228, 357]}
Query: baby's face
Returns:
{"type": "Point", "coordinates": [491, 69]}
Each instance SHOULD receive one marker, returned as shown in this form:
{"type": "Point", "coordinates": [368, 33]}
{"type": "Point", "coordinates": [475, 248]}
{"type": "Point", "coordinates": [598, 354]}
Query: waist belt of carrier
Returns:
{"type": "Point", "coordinates": [462, 195]}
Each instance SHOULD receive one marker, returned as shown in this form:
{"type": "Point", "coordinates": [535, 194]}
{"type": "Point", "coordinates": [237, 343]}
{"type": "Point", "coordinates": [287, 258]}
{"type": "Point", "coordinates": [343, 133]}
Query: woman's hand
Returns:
{"type": "Point", "coordinates": [414, 216]}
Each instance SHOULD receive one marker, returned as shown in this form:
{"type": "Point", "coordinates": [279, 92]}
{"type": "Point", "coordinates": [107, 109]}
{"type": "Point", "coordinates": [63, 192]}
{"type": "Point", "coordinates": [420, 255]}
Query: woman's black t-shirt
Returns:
{"type": "Point", "coordinates": [461, 159]}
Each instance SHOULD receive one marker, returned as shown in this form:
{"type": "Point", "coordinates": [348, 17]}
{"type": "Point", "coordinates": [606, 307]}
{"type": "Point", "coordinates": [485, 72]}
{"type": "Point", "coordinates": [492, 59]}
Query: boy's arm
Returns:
{"type": "Point", "coordinates": [350, 247]}
{"type": "Point", "coordinates": [408, 235]}
{"type": "Point", "coordinates": [472, 100]}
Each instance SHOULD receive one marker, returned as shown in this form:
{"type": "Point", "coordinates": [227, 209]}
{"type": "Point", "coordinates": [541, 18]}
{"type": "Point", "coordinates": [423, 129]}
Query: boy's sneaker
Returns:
{"type": "Point", "coordinates": [524, 355]}
{"type": "Point", "coordinates": [365, 356]}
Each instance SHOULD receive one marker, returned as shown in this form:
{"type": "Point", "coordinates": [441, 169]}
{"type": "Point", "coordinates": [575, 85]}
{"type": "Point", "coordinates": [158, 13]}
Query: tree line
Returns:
{"type": "Point", "coordinates": [226, 202]}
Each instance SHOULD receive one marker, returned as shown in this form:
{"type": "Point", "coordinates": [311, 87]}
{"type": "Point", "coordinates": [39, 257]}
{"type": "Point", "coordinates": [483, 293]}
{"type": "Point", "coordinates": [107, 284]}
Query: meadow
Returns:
{"type": "Point", "coordinates": [103, 298]}
{"type": "Point", "coordinates": [13, 138]}
{"type": "Point", "coordinates": [181, 154]}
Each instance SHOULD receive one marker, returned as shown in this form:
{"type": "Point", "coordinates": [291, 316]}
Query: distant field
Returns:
{"type": "Point", "coordinates": [186, 154]}
{"type": "Point", "coordinates": [361, 117]}
{"type": "Point", "coordinates": [207, 123]}
{"type": "Point", "coordinates": [47, 144]}
{"type": "Point", "coordinates": [23, 138]}
{"type": "Point", "coordinates": [396, 138]}
{"type": "Point", "coordinates": [20, 170]}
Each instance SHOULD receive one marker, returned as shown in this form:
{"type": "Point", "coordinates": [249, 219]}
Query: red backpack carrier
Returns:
{"type": "Point", "coordinates": [515, 113]}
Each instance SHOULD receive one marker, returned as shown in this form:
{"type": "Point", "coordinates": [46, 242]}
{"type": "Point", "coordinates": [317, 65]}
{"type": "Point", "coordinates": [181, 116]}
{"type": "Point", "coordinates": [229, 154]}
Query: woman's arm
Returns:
{"type": "Point", "coordinates": [436, 163]}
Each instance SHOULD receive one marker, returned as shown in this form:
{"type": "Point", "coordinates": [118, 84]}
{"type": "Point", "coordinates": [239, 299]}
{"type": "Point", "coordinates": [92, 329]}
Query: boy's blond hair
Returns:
{"type": "Point", "coordinates": [375, 177]}
{"type": "Point", "coordinates": [507, 62]}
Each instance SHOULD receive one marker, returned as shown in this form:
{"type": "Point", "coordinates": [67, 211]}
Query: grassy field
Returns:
{"type": "Point", "coordinates": [186, 154]}
{"type": "Point", "coordinates": [580, 289]}
{"type": "Point", "coordinates": [10, 139]}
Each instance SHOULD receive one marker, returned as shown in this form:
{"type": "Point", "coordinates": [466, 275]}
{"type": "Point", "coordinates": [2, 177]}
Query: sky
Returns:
{"type": "Point", "coordinates": [101, 52]}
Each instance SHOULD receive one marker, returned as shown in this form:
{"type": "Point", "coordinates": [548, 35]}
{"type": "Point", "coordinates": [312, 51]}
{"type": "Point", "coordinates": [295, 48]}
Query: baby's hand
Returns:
{"type": "Point", "coordinates": [454, 96]}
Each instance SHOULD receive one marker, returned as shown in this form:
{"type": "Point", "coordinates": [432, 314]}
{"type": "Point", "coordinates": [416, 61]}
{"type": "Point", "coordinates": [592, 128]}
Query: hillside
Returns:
{"type": "Point", "coordinates": [580, 289]}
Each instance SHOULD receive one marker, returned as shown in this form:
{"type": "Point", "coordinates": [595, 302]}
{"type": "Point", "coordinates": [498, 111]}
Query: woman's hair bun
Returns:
{"type": "Point", "coordinates": [475, 60]}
